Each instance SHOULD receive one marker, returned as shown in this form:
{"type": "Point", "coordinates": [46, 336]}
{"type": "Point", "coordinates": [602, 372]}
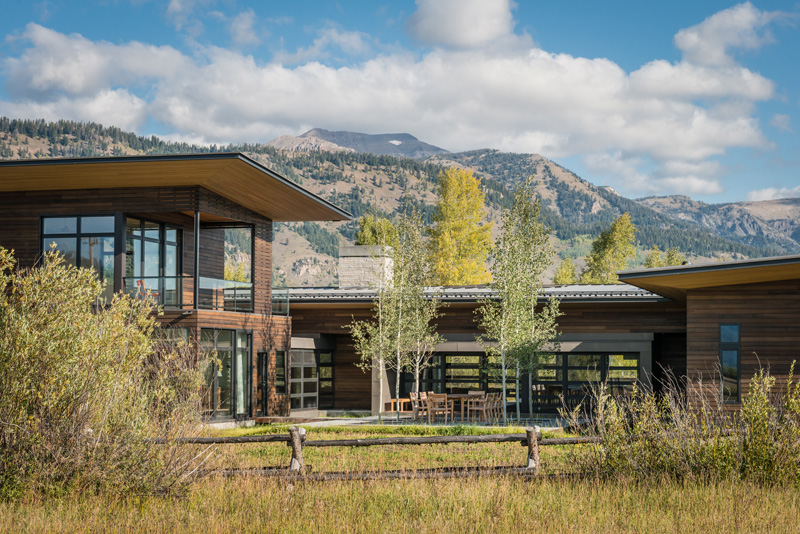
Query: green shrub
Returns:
{"type": "Point", "coordinates": [691, 437]}
{"type": "Point", "coordinates": [83, 385]}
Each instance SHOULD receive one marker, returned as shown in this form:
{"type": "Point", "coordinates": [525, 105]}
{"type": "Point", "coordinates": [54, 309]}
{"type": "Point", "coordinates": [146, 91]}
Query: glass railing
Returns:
{"type": "Point", "coordinates": [163, 290]}
{"type": "Point", "coordinates": [280, 301]}
{"type": "Point", "coordinates": [218, 294]}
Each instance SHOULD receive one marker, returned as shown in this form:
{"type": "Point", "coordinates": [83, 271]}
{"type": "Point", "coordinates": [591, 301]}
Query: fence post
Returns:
{"type": "Point", "coordinates": [298, 436]}
{"type": "Point", "coordinates": [533, 448]}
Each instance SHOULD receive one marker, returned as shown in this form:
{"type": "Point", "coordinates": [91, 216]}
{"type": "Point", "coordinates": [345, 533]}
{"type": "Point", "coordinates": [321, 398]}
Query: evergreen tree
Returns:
{"type": "Point", "coordinates": [460, 240]}
{"type": "Point", "coordinates": [566, 273]}
{"type": "Point", "coordinates": [611, 252]}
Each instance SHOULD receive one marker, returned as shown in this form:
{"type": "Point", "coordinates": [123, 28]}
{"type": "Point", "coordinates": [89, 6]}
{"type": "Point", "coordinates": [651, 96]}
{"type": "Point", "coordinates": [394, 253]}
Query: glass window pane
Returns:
{"type": "Point", "coordinates": [207, 338]}
{"type": "Point", "coordinates": [326, 372]}
{"type": "Point", "coordinates": [224, 339]}
{"type": "Point", "coordinates": [152, 230]}
{"type": "Point", "coordinates": [729, 333]}
{"type": "Point", "coordinates": [309, 372]}
{"type": "Point", "coordinates": [151, 254]}
{"type": "Point", "coordinates": [583, 375]}
{"type": "Point", "coordinates": [326, 386]}
{"type": "Point", "coordinates": [309, 402]}
{"type": "Point", "coordinates": [309, 387]}
{"type": "Point", "coordinates": [97, 225]}
{"type": "Point", "coordinates": [622, 374]}
{"type": "Point", "coordinates": [172, 235]}
{"type": "Point", "coordinates": [295, 403]}
{"type": "Point", "coordinates": [67, 246]}
{"type": "Point", "coordinates": [623, 360]}
{"type": "Point", "coordinates": [730, 363]}
{"type": "Point", "coordinates": [133, 257]}
{"type": "Point", "coordinates": [60, 225]}
{"type": "Point", "coordinates": [548, 375]}
{"type": "Point", "coordinates": [133, 227]}
{"type": "Point", "coordinates": [584, 360]}
{"type": "Point", "coordinates": [325, 357]}
{"type": "Point", "coordinates": [297, 372]}
{"type": "Point", "coordinates": [296, 387]}
{"type": "Point", "coordinates": [170, 260]}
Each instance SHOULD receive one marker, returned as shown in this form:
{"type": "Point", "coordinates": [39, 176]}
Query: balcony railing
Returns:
{"type": "Point", "coordinates": [217, 294]}
{"type": "Point", "coordinates": [214, 293]}
{"type": "Point", "coordinates": [163, 290]}
{"type": "Point", "coordinates": [280, 301]}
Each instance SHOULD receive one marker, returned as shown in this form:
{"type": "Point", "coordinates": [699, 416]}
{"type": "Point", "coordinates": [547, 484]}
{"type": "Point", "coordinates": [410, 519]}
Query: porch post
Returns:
{"type": "Point", "coordinates": [196, 295]}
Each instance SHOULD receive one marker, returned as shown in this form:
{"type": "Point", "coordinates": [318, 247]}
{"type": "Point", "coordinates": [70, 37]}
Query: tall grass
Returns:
{"type": "Point", "coordinates": [692, 437]}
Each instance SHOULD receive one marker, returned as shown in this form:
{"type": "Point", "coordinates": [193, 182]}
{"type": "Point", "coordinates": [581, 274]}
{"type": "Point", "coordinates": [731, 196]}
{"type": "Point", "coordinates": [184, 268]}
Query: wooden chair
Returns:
{"type": "Point", "coordinates": [481, 407]}
{"type": "Point", "coordinates": [418, 404]}
{"type": "Point", "coordinates": [439, 405]}
{"type": "Point", "coordinates": [474, 399]}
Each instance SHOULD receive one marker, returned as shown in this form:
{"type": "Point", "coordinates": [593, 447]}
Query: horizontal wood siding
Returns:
{"type": "Point", "coordinates": [769, 319]}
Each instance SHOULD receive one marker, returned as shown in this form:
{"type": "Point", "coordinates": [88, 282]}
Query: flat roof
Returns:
{"type": "Point", "coordinates": [229, 174]}
{"type": "Point", "coordinates": [570, 293]}
{"type": "Point", "coordinates": [674, 282]}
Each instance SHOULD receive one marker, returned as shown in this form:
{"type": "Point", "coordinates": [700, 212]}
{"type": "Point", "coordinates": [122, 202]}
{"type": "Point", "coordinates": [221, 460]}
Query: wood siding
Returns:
{"type": "Point", "coordinates": [352, 386]}
{"type": "Point", "coordinates": [769, 319]}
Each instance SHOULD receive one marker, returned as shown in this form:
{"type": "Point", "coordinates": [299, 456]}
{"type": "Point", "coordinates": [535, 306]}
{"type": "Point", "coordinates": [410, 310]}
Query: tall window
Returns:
{"type": "Point", "coordinates": [228, 375]}
{"type": "Point", "coordinates": [84, 241]}
{"type": "Point", "coordinates": [153, 260]}
{"type": "Point", "coordinates": [303, 384]}
{"type": "Point", "coordinates": [729, 362]}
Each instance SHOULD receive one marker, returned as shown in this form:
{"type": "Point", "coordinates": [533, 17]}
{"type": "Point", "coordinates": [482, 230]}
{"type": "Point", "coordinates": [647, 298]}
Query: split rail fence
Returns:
{"type": "Point", "coordinates": [296, 439]}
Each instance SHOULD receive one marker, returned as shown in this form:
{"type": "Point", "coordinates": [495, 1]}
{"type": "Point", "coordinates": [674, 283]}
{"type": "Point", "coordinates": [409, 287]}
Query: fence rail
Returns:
{"type": "Point", "coordinates": [296, 439]}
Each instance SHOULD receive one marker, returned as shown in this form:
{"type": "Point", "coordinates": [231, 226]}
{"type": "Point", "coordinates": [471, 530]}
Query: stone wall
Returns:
{"type": "Point", "coordinates": [364, 266]}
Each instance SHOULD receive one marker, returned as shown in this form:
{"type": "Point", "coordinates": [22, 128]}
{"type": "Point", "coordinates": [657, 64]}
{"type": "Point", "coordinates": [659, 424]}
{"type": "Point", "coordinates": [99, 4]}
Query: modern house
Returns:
{"type": "Point", "coordinates": [716, 324]}
{"type": "Point", "coordinates": [161, 227]}
{"type": "Point", "coordinates": [158, 227]}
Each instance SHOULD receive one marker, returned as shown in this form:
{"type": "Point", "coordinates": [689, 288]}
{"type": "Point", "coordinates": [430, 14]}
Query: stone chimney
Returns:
{"type": "Point", "coordinates": [364, 266]}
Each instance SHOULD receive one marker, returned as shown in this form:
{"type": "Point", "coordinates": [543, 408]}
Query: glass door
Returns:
{"type": "Point", "coordinates": [229, 373]}
{"type": "Point", "coordinates": [303, 385]}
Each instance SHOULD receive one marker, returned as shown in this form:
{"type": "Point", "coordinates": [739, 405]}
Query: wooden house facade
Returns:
{"type": "Point", "coordinates": [709, 326]}
{"type": "Point", "coordinates": [157, 227]}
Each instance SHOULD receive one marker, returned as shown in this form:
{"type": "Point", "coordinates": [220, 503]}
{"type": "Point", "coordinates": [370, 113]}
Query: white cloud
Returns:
{"type": "Point", "coordinates": [710, 42]}
{"type": "Point", "coordinates": [772, 193]}
{"type": "Point", "coordinates": [781, 122]}
{"type": "Point", "coordinates": [241, 28]}
{"type": "Point", "coordinates": [652, 130]}
{"type": "Point", "coordinates": [461, 23]}
{"type": "Point", "coordinates": [349, 43]}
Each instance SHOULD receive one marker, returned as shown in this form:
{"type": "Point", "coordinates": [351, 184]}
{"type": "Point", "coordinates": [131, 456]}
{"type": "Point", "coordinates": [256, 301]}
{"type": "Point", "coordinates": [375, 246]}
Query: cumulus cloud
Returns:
{"type": "Point", "coordinates": [781, 122]}
{"type": "Point", "coordinates": [461, 23]}
{"type": "Point", "coordinates": [710, 42]}
{"type": "Point", "coordinates": [242, 30]}
{"type": "Point", "coordinates": [652, 130]}
{"type": "Point", "coordinates": [772, 193]}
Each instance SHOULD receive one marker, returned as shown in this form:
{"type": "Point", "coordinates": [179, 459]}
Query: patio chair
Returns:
{"type": "Point", "coordinates": [474, 399]}
{"type": "Point", "coordinates": [418, 404]}
{"type": "Point", "coordinates": [439, 405]}
{"type": "Point", "coordinates": [481, 408]}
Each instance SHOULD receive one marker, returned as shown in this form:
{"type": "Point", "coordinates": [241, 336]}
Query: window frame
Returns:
{"type": "Point", "coordinates": [728, 346]}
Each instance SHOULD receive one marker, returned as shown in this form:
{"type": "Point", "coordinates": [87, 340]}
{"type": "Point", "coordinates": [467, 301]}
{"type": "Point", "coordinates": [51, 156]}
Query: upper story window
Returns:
{"type": "Point", "coordinates": [152, 260]}
{"type": "Point", "coordinates": [729, 362]}
{"type": "Point", "coordinates": [84, 241]}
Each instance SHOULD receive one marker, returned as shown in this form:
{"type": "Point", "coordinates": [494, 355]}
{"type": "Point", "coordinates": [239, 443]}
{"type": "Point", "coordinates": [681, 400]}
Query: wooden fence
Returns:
{"type": "Point", "coordinates": [296, 440]}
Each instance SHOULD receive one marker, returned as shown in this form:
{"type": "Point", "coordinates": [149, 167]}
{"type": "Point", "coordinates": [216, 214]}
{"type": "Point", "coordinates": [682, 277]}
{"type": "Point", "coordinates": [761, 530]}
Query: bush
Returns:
{"type": "Point", "coordinates": [684, 437]}
{"type": "Point", "coordinates": [84, 385]}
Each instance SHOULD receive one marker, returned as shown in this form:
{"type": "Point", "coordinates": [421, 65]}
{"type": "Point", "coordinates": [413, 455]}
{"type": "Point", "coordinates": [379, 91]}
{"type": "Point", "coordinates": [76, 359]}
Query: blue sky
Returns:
{"type": "Point", "coordinates": [651, 98]}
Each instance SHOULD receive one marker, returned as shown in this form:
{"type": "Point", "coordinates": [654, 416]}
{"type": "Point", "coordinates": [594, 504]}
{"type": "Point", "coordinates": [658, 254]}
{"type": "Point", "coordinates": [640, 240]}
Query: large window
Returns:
{"type": "Point", "coordinates": [228, 374]}
{"type": "Point", "coordinates": [729, 364]}
{"type": "Point", "coordinates": [153, 261]}
{"type": "Point", "coordinates": [84, 241]}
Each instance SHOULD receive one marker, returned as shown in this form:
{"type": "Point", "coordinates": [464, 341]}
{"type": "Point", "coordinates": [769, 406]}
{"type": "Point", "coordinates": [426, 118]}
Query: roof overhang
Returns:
{"type": "Point", "coordinates": [230, 175]}
{"type": "Point", "coordinates": [674, 282]}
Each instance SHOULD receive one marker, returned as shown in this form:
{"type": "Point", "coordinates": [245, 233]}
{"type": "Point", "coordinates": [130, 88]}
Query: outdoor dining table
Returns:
{"type": "Point", "coordinates": [460, 397]}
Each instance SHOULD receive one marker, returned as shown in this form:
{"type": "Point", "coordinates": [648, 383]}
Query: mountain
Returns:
{"type": "Point", "coordinates": [775, 222]}
{"type": "Point", "coordinates": [360, 182]}
{"type": "Point", "coordinates": [401, 145]}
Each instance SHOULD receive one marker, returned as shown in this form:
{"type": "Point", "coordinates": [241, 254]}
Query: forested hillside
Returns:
{"type": "Point", "coordinates": [359, 183]}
